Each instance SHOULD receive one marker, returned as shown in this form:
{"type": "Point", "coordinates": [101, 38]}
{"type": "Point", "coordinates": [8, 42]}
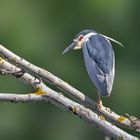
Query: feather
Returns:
{"type": "Point", "coordinates": [113, 40]}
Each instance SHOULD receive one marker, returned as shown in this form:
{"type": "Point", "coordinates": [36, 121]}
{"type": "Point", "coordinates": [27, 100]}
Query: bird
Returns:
{"type": "Point", "coordinates": [99, 59]}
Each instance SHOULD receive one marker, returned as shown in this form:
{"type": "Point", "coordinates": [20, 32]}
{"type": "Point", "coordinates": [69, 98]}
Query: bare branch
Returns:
{"type": "Point", "coordinates": [22, 98]}
{"type": "Point", "coordinates": [47, 76]}
{"type": "Point", "coordinates": [77, 109]}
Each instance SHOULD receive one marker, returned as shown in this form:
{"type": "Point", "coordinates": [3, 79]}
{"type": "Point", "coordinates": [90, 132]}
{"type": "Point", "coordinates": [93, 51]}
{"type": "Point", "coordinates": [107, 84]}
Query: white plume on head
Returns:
{"type": "Point", "coordinates": [111, 39]}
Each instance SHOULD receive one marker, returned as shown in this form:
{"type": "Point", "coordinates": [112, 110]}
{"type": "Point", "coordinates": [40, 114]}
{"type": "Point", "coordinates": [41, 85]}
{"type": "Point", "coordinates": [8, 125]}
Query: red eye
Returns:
{"type": "Point", "coordinates": [81, 37]}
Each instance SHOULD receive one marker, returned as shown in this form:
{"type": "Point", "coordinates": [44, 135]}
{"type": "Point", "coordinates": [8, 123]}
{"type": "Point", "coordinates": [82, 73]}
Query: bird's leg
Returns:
{"type": "Point", "coordinates": [99, 102]}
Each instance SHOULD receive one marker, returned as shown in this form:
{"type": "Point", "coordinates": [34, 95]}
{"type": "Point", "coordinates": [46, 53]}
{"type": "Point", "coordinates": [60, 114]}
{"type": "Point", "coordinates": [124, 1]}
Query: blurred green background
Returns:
{"type": "Point", "coordinates": [39, 30]}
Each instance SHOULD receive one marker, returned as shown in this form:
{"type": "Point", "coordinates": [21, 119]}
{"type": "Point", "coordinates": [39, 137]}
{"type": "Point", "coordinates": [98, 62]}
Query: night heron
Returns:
{"type": "Point", "coordinates": [99, 59]}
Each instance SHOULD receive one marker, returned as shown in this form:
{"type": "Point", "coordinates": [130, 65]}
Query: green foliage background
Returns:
{"type": "Point", "coordinates": [39, 30]}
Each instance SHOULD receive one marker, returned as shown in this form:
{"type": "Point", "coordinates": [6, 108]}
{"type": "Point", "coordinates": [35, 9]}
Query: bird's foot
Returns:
{"type": "Point", "coordinates": [99, 104]}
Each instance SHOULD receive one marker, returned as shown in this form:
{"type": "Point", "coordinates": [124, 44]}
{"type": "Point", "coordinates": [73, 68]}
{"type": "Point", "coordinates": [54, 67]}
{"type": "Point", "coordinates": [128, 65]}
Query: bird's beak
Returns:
{"type": "Point", "coordinates": [71, 46]}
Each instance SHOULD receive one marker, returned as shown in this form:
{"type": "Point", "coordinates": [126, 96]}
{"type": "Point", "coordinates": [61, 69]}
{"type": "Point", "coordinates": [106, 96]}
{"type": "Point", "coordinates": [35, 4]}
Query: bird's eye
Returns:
{"type": "Point", "coordinates": [81, 37]}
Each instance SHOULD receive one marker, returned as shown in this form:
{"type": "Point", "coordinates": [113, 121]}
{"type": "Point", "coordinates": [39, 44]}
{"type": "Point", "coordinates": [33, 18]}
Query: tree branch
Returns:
{"type": "Point", "coordinates": [44, 93]}
{"type": "Point", "coordinates": [126, 121]}
{"type": "Point", "coordinates": [71, 106]}
{"type": "Point", "coordinates": [22, 98]}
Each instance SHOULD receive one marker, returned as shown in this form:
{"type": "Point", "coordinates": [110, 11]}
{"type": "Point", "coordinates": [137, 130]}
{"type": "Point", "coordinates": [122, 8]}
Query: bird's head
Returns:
{"type": "Point", "coordinates": [79, 39]}
{"type": "Point", "coordinates": [83, 36]}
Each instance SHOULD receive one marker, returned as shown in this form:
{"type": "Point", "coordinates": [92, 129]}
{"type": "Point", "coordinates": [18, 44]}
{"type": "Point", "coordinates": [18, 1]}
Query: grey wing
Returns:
{"type": "Point", "coordinates": [100, 62]}
{"type": "Point", "coordinates": [100, 50]}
